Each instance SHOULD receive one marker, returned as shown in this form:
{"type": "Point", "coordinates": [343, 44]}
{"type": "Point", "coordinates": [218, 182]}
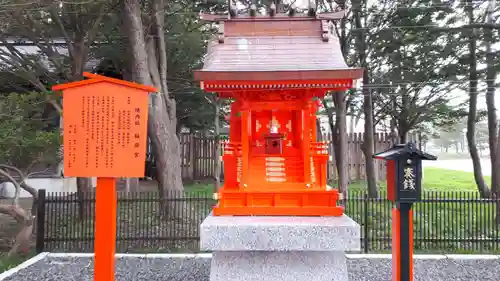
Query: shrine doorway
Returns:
{"type": "Point", "coordinates": [284, 121]}
{"type": "Point", "coordinates": [281, 168]}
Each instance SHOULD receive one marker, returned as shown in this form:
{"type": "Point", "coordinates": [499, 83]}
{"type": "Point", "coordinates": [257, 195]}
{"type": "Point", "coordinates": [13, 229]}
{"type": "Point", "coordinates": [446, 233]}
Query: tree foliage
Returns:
{"type": "Point", "coordinates": [412, 66]}
{"type": "Point", "coordinates": [28, 135]}
{"type": "Point", "coordinates": [28, 138]}
{"type": "Point", "coordinates": [186, 46]}
{"type": "Point", "coordinates": [186, 39]}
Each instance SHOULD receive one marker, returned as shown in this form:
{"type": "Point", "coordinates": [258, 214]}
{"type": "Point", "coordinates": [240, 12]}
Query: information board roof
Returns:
{"type": "Point", "coordinates": [96, 78]}
{"type": "Point", "coordinates": [404, 150]}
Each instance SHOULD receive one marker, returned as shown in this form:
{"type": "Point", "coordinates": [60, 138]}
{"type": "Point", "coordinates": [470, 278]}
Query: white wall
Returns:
{"type": "Point", "coordinates": [7, 189]}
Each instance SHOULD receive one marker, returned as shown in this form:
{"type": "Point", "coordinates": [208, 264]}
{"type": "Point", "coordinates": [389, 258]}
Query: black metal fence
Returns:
{"type": "Point", "coordinates": [444, 222]}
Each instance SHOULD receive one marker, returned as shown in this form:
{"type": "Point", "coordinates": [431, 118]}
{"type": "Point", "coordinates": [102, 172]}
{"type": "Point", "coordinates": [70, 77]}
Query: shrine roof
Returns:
{"type": "Point", "coordinates": [275, 49]}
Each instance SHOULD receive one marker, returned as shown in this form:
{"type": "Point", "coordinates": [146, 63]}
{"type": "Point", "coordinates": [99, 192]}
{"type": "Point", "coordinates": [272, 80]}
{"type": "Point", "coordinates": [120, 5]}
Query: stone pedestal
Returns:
{"type": "Point", "coordinates": [279, 248]}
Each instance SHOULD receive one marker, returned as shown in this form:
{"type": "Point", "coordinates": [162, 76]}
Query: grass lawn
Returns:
{"type": "Point", "coordinates": [436, 179]}
{"type": "Point", "coordinates": [450, 219]}
{"type": "Point", "coordinates": [466, 223]}
{"type": "Point", "coordinates": [8, 263]}
{"type": "Point", "coordinates": [451, 209]}
{"type": "Point", "coordinates": [202, 188]}
{"type": "Point", "coordinates": [449, 180]}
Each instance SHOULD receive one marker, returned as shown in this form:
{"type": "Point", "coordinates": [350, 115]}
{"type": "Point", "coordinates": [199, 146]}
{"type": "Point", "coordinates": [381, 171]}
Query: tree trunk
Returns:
{"type": "Point", "coordinates": [83, 185]}
{"type": "Point", "coordinates": [472, 116]}
{"type": "Point", "coordinates": [490, 101]}
{"type": "Point", "coordinates": [368, 141]}
{"type": "Point", "coordinates": [493, 131]}
{"type": "Point", "coordinates": [496, 194]}
{"type": "Point", "coordinates": [403, 119]}
{"type": "Point", "coordinates": [351, 124]}
{"type": "Point", "coordinates": [319, 132]}
{"type": "Point", "coordinates": [333, 132]}
{"type": "Point", "coordinates": [23, 238]}
{"type": "Point", "coordinates": [342, 137]}
{"type": "Point", "coordinates": [393, 135]}
{"type": "Point", "coordinates": [78, 52]}
{"type": "Point", "coordinates": [217, 155]}
{"type": "Point", "coordinates": [83, 191]}
{"type": "Point", "coordinates": [149, 67]}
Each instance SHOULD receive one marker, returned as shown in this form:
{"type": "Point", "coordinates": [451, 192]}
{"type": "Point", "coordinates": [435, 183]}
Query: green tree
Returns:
{"type": "Point", "coordinates": [186, 40]}
{"type": "Point", "coordinates": [410, 61]}
{"type": "Point", "coordinates": [470, 36]}
{"type": "Point", "coordinates": [61, 34]}
{"type": "Point", "coordinates": [27, 135]}
{"type": "Point", "coordinates": [185, 37]}
{"type": "Point", "coordinates": [368, 136]}
{"type": "Point", "coordinates": [26, 139]}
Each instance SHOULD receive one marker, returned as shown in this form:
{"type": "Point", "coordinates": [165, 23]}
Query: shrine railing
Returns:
{"type": "Point", "coordinates": [232, 164]}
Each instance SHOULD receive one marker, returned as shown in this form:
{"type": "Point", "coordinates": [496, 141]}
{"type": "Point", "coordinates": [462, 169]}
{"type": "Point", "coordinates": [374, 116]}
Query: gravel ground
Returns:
{"type": "Point", "coordinates": [197, 269]}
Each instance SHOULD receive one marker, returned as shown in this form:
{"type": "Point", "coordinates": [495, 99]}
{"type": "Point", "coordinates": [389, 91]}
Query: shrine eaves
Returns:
{"type": "Point", "coordinates": [279, 47]}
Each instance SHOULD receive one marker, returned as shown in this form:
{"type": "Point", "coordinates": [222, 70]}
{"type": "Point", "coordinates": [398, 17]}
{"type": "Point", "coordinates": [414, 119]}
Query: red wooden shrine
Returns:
{"type": "Point", "coordinates": [274, 69]}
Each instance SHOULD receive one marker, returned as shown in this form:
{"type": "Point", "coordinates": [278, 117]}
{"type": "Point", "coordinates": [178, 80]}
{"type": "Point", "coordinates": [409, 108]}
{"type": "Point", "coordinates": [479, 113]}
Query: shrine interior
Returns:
{"type": "Point", "coordinates": [278, 134]}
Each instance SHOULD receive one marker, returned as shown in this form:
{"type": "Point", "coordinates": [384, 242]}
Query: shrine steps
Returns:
{"type": "Point", "coordinates": [276, 169]}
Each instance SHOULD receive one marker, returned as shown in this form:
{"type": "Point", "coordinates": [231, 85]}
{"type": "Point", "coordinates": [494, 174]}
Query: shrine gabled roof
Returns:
{"type": "Point", "coordinates": [283, 49]}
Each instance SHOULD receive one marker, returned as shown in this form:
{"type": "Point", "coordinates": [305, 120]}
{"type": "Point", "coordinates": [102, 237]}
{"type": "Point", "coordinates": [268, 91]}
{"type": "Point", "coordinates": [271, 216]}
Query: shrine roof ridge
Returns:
{"type": "Point", "coordinates": [278, 17]}
{"type": "Point", "coordinates": [96, 78]}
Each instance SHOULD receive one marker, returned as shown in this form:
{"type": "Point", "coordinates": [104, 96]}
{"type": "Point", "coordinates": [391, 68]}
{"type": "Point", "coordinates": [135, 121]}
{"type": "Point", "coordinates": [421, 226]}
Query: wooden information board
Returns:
{"type": "Point", "coordinates": [105, 135]}
{"type": "Point", "coordinates": [105, 130]}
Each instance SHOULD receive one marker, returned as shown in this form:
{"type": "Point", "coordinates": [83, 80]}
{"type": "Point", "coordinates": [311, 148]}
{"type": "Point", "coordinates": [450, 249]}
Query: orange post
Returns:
{"type": "Point", "coordinates": [402, 242]}
{"type": "Point", "coordinates": [105, 230]}
{"type": "Point", "coordinates": [410, 240]}
{"type": "Point", "coordinates": [396, 243]}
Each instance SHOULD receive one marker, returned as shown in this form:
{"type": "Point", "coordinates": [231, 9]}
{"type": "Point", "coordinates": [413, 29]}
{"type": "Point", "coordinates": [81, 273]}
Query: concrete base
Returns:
{"type": "Point", "coordinates": [279, 248]}
{"type": "Point", "coordinates": [278, 266]}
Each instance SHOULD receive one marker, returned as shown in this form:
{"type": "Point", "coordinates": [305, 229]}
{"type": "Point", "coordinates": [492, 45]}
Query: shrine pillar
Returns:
{"type": "Point", "coordinates": [314, 127]}
{"type": "Point", "coordinates": [306, 142]}
{"type": "Point", "coordinates": [245, 144]}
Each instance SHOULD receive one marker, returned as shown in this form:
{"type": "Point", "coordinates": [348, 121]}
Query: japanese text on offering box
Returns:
{"type": "Point", "coordinates": [409, 178]}
{"type": "Point", "coordinates": [105, 133]}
